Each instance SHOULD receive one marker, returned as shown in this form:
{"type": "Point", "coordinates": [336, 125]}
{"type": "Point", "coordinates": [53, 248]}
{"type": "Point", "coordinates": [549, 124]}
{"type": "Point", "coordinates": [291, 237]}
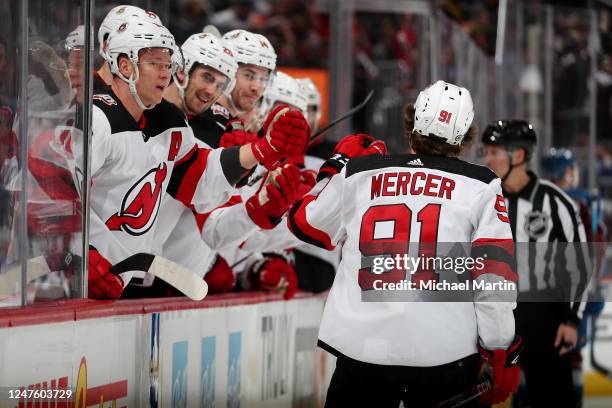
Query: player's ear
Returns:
{"type": "Point", "coordinates": [125, 66]}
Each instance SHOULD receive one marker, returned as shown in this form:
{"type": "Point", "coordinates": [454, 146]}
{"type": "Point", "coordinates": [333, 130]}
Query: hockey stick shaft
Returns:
{"type": "Point", "coordinates": [464, 397]}
{"type": "Point", "coordinates": [347, 115]}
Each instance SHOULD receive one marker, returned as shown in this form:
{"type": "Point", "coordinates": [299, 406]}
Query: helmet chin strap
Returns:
{"type": "Point", "coordinates": [512, 166]}
{"type": "Point", "coordinates": [233, 105]}
{"type": "Point", "coordinates": [181, 87]}
{"type": "Point", "coordinates": [132, 85]}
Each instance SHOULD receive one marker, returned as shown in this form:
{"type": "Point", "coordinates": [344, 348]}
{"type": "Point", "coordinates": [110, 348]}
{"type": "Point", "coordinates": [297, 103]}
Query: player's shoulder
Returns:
{"type": "Point", "coordinates": [411, 161]}
{"type": "Point", "coordinates": [108, 107]}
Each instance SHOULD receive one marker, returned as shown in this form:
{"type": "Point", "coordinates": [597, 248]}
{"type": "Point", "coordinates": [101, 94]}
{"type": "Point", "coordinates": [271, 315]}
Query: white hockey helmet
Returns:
{"type": "Point", "coordinates": [75, 39]}
{"type": "Point", "coordinates": [206, 49]}
{"type": "Point", "coordinates": [313, 95]}
{"type": "Point", "coordinates": [284, 89]}
{"type": "Point", "coordinates": [251, 48]}
{"type": "Point", "coordinates": [444, 111]}
{"type": "Point", "coordinates": [129, 39]}
{"type": "Point", "coordinates": [119, 15]}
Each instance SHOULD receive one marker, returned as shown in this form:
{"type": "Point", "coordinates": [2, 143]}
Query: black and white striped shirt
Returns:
{"type": "Point", "coordinates": [551, 252]}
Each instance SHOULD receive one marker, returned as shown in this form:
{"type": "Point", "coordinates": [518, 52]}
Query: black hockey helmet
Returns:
{"type": "Point", "coordinates": [511, 134]}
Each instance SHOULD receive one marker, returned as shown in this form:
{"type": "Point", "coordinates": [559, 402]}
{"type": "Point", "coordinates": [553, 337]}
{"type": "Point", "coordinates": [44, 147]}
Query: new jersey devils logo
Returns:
{"type": "Point", "coordinates": [141, 204]}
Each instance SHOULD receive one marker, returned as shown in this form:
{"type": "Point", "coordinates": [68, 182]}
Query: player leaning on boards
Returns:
{"type": "Point", "coordinates": [419, 352]}
{"type": "Point", "coordinates": [142, 147]}
{"type": "Point", "coordinates": [543, 215]}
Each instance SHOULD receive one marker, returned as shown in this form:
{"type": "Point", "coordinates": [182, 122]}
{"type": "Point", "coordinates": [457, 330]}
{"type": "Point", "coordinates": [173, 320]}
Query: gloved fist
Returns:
{"type": "Point", "coordinates": [349, 147]}
{"type": "Point", "coordinates": [275, 273]}
{"type": "Point", "coordinates": [220, 278]}
{"type": "Point", "coordinates": [278, 191]}
{"type": "Point", "coordinates": [285, 133]}
{"type": "Point", "coordinates": [102, 283]}
{"type": "Point", "coordinates": [308, 179]}
{"type": "Point", "coordinates": [504, 370]}
{"type": "Point", "coordinates": [235, 135]}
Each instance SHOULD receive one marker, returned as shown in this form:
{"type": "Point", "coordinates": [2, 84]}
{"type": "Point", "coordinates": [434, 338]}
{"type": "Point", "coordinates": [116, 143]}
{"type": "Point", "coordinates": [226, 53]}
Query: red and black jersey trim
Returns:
{"type": "Point", "coordinates": [302, 230]}
{"type": "Point", "coordinates": [497, 257]}
{"type": "Point", "coordinates": [447, 164]}
{"type": "Point", "coordinates": [186, 175]}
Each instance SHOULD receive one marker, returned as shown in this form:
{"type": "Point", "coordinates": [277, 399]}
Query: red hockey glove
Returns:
{"type": "Point", "coordinates": [220, 278]}
{"type": "Point", "coordinates": [349, 147]}
{"type": "Point", "coordinates": [308, 179]}
{"type": "Point", "coordinates": [101, 282]}
{"type": "Point", "coordinates": [235, 135]}
{"type": "Point", "coordinates": [504, 370]}
{"type": "Point", "coordinates": [275, 273]}
{"type": "Point", "coordinates": [277, 193]}
{"type": "Point", "coordinates": [285, 133]}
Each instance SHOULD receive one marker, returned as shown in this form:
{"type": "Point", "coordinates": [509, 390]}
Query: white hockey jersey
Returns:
{"type": "Point", "coordinates": [376, 206]}
{"type": "Point", "coordinates": [134, 164]}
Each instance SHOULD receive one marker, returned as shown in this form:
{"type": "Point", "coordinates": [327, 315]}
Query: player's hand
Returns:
{"type": "Point", "coordinates": [236, 135]}
{"type": "Point", "coordinates": [349, 147]}
{"type": "Point", "coordinates": [308, 179]}
{"type": "Point", "coordinates": [567, 336]}
{"type": "Point", "coordinates": [220, 278]}
{"type": "Point", "coordinates": [274, 273]}
{"type": "Point", "coordinates": [277, 193]}
{"type": "Point", "coordinates": [502, 366]}
{"type": "Point", "coordinates": [285, 133]}
{"type": "Point", "coordinates": [102, 283]}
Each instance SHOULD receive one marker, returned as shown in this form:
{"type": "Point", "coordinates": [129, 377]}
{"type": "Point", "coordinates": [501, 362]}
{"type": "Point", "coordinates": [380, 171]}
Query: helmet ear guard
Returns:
{"type": "Point", "coordinates": [444, 112]}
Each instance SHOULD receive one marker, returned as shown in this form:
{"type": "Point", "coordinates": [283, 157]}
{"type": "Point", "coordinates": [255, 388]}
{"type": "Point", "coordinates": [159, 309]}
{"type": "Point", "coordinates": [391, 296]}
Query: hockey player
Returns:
{"type": "Point", "coordinates": [256, 64]}
{"type": "Point", "coordinates": [208, 73]}
{"type": "Point", "coordinates": [142, 147]}
{"type": "Point", "coordinates": [541, 214]}
{"type": "Point", "coordinates": [418, 352]}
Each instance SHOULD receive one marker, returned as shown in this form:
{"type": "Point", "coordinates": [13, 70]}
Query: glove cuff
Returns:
{"type": "Point", "coordinates": [265, 153]}
{"type": "Point", "coordinates": [333, 166]}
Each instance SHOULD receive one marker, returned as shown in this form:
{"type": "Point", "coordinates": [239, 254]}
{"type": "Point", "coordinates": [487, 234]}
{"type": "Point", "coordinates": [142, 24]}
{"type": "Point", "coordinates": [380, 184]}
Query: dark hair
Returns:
{"type": "Point", "coordinates": [423, 145]}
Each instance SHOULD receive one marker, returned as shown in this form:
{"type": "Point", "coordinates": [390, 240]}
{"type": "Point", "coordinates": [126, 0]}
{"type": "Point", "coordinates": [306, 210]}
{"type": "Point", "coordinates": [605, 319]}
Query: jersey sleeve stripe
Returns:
{"type": "Point", "coordinates": [491, 266]}
{"type": "Point", "coordinates": [298, 224]}
{"type": "Point", "coordinates": [187, 174]}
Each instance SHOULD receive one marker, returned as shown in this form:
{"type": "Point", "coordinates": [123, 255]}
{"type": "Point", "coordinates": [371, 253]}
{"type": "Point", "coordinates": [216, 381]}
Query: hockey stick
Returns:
{"type": "Point", "coordinates": [35, 267]}
{"type": "Point", "coordinates": [464, 397]}
{"type": "Point", "coordinates": [177, 276]}
{"type": "Point", "coordinates": [347, 115]}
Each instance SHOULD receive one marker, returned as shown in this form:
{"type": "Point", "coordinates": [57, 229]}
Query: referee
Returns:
{"type": "Point", "coordinates": [552, 267]}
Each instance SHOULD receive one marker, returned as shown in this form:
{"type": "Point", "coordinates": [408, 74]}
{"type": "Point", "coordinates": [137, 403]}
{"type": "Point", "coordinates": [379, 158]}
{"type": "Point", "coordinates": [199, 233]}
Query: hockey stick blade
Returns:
{"type": "Point", "coordinates": [177, 276]}
{"type": "Point", "coordinates": [464, 397]}
{"type": "Point", "coordinates": [347, 115]}
{"type": "Point", "coordinates": [11, 279]}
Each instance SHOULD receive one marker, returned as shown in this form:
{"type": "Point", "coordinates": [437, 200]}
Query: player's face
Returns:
{"type": "Point", "coordinates": [154, 65]}
{"type": "Point", "coordinates": [251, 82]}
{"type": "Point", "coordinates": [496, 158]}
{"type": "Point", "coordinates": [75, 72]}
{"type": "Point", "coordinates": [205, 86]}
